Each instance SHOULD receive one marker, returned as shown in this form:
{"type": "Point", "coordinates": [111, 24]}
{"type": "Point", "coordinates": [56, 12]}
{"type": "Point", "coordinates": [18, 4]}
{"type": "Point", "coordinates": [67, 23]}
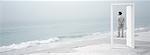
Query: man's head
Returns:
{"type": "Point", "coordinates": [119, 13]}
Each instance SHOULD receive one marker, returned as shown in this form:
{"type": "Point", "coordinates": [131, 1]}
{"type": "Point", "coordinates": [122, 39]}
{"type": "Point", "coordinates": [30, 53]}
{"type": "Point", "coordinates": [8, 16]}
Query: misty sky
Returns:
{"type": "Point", "coordinates": [39, 13]}
{"type": "Point", "coordinates": [52, 12]}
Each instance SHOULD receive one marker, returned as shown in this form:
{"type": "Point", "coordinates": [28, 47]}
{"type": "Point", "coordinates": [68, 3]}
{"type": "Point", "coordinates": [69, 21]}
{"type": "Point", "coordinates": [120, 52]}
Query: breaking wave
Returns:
{"type": "Point", "coordinates": [37, 42]}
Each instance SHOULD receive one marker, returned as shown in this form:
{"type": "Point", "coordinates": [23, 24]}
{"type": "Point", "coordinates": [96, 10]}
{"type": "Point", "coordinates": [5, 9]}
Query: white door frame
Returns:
{"type": "Point", "coordinates": [130, 24]}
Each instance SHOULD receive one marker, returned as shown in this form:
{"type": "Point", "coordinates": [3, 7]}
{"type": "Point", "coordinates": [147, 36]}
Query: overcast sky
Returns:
{"type": "Point", "coordinates": [27, 13]}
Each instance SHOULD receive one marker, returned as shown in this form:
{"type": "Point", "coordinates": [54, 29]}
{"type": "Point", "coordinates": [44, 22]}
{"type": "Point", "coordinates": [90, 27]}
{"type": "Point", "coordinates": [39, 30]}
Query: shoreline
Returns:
{"type": "Point", "coordinates": [97, 43]}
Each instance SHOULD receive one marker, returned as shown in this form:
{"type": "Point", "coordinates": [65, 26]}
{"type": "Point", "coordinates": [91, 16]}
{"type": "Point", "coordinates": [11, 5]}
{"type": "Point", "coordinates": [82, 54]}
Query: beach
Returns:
{"type": "Point", "coordinates": [94, 44]}
{"type": "Point", "coordinates": [72, 27]}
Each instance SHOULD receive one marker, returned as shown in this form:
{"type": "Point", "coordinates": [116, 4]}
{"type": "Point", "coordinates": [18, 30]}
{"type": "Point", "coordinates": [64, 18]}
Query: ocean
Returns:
{"type": "Point", "coordinates": [52, 21]}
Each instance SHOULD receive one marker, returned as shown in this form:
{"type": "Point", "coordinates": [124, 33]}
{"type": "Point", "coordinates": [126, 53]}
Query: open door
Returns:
{"type": "Point", "coordinates": [130, 26]}
{"type": "Point", "coordinates": [122, 30]}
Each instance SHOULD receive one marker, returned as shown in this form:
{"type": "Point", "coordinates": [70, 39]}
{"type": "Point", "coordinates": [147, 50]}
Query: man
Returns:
{"type": "Point", "coordinates": [121, 22]}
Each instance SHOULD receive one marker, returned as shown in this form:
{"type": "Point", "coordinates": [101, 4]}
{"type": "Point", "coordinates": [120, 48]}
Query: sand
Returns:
{"type": "Point", "coordinates": [95, 45]}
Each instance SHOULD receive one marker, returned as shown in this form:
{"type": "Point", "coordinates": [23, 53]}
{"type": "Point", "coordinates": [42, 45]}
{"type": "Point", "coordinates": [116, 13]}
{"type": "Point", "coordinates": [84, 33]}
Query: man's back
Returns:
{"type": "Point", "coordinates": [120, 20]}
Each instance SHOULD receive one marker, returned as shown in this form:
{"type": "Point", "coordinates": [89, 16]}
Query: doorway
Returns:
{"type": "Point", "coordinates": [122, 25]}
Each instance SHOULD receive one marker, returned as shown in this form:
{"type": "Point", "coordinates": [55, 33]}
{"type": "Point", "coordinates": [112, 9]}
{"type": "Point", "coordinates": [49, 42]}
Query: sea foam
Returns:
{"type": "Point", "coordinates": [37, 42]}
{"type": "Point", "coordinates": [27, 44]}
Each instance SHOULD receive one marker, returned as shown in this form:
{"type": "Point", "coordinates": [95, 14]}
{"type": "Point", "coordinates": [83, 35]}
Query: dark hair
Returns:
{"type": "Point", "coordinates": [119, 13]}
